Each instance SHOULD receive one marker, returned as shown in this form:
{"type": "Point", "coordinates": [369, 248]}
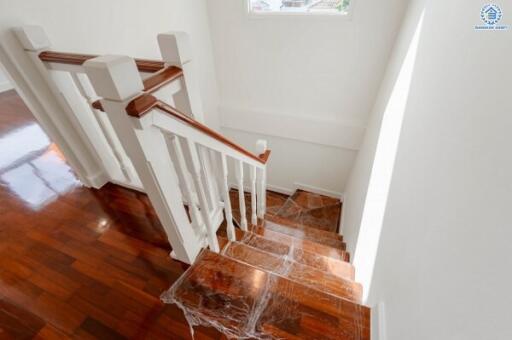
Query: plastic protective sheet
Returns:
{"type": "Point", "coordinates": [312, 210]}
{"type": "Point", "coordinates": [245, 302]}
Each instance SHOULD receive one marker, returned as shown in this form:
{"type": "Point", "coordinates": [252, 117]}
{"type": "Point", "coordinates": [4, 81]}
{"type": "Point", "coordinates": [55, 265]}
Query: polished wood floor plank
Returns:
{"type": "Point", "coordinates": [77, 262]}
{"type": "Point", "coordinates": [92, 264]}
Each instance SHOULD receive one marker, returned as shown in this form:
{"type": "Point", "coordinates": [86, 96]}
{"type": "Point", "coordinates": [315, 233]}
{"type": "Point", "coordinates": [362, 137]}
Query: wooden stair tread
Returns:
{"type": "Point", "coordinates": [302, 244]}
{"type": "Point", "coordinates": [298, 230]}
{"type": "Point", "coordinates": [313, 210]}
{"type": "Point", "coordinates": [329, 265]}
{"type": "Point", "coordinates": [311, 200]}
{"type": "Point", "coordinates": [300, 273]}
{"type": "Point", "coordinates": [248, 302]}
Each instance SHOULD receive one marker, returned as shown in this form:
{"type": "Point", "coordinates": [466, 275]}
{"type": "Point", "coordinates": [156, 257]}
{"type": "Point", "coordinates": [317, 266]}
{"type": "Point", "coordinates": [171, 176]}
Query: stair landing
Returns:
{"type": "Point", "coordinates": [288, 277]}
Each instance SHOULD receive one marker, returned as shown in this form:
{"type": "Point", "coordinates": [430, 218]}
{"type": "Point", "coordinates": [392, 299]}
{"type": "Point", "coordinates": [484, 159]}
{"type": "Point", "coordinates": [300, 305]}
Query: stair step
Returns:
{"type": "Point", "coordinates": [246, 302]}
{"type": "Point", "coordinates": [303, 274]}
{"type": "Point", "coordinates": [310, 200]}
{"type": "Point", "coordinates": [313, 210]}
{"type": "Point", "coordinates": [329, 265]}
{"type": "Point", "coordinates": [302, 245]}
{"type": "Point", "coordinates": [298, 230]}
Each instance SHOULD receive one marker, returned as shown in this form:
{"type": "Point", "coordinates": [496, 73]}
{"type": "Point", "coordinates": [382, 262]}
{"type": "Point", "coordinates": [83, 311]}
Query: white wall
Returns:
{"type": "Point", "coordinates": [302, 80]}
{"type": "Point", "coordinates": [121, 27]}
{"type": "Point", "coordinates": [4, 82]}
{"type": "Point", "coordinates": [442, 265]}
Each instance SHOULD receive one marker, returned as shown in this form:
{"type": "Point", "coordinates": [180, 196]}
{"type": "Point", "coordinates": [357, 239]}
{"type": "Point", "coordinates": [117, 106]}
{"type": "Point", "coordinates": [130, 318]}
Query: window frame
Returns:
{"type": "Point", "coordinates": [339, 16]}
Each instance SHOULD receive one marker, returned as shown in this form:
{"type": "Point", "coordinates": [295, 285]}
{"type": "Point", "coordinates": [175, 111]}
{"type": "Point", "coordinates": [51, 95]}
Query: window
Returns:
{"type": "Point", "coordinates": [300, 6]}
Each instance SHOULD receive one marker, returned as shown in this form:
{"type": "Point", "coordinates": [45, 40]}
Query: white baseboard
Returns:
{"type": "Point", "coordinates": [378, 322]}
{"type": "Point", "coordinates": [320, 191]}
{"type": "Point", "coordinates": [98, 180]}
{"type": "Point", "coordinates": [279, 189]}
{"type": "Point", "coordinates": [297, 186]}
{"type": "Point", "coordinates": [129, 186]}
{"type": "Point", "coordinates": [5, 86]}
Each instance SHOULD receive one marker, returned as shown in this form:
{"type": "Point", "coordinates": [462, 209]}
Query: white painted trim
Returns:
{"type": "Point", "coordinates": [330, 132]}
{"type": "Point", "coordinates": [347, 16]}
{"type": "Point", "coordinates": [286, 191]}
{"type": "Point", "coordinates": [378, 322]}
{"type": "Point", "coordinates": [129, 186]}
{"type": "Point", "coordinates": [320, 191]}
{"type": "Point", "coordinates": [279, 189]}
{"type": "Point", "coordinates": [270, 187]}
{"type": "Point", "coordinates": [5, 86]}
{"type": "Point", "coordinates": [98, 180]}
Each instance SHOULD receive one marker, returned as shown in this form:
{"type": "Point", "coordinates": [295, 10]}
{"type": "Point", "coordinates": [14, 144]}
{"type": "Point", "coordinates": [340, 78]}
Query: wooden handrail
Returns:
{"type": "Point", "coordinates": [154, 82]}
{"type": "Point", "coordinates": [162, 78]}
{"type": "Point", "coordinates": [144, 65]}
{"type": "Point", "coordinates": [146, 102]}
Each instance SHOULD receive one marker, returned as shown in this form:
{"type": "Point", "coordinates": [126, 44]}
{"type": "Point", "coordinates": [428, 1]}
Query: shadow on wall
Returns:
{"type": "Point", "coordinates": [384, 160]}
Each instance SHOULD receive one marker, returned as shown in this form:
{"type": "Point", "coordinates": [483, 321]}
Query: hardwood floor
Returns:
{"type": "Point", "coordinates": [76, 262]}
{"type": "Point", "coordinates": [93, 264]}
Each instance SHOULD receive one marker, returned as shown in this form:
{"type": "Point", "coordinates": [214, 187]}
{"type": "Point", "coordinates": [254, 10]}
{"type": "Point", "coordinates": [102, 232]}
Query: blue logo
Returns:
{"type": "Point", "coordinates": [491, 15]}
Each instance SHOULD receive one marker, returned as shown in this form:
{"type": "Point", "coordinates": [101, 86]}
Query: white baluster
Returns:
{"type": "Point", "coordinates": [216, 169]}
{"type": "Point", "coordinates": [174, 145]}
{"type": "Point", "coordinates": [254, 219]}
{"type": "Point", "coordinates": [261, 148]}
{"type": "Point", "coordinates": [208, 175]}
{"type": "Point", "coordinates": [262, 192]}
{"type": "Point", "coordinates": [227, 200]}
{"type": "Point", "coordinates": [126, 170]}
{"type": "Point", "coordinates": [239, 174]}
{"type": "Point", "coordinates": [51, 109]}
{"type": "Point", "coordinates": [192, 158]}
{"type": "Point", "coordinates": [117, 80]}
{"type": "Point", "coordinates": [176, 50]}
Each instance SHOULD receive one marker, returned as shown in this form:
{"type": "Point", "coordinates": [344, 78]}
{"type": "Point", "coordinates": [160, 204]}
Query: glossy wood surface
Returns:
{"type": "Point", "coordinates": [76, 262]}
{"type": "Point", "coordinates": [312, 210]}
{"type": "Point", "coordinates": [92, 264]}
{"type": "Point", "coordinates": [162, 78]}
{"type": "Point", "coordinates": [144, 65]}
{"type": "Point", "coordinates": [295, 271]}
{"type": "Point", "coordinates": [250, 303]}
{"type": "Point", "coordinates": [146, 102]}
{"type": "Point", "coordinates": [151, 84]}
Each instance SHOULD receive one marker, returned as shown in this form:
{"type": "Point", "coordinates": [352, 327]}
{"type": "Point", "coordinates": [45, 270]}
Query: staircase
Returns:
{"type": "Point", "coordinates": [288, 277]}
{"type": "Point", "coordinates": [281, 273]}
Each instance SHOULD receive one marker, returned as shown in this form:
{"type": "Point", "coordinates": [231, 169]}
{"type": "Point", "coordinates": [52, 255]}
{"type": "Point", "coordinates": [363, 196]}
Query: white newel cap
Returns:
{"type": "Point", "coordinates": [175, 47]}
{"type": "Point", "coordinates": [261, 146]}
{"type": "Point", "coordinates": [114, 77]}
{"type": "Point", "coordinates": [32, 38]}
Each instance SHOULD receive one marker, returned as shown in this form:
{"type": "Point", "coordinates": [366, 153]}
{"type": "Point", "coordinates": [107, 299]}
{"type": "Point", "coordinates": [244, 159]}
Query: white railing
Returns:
{"type": "Point", "coordinates": [179, 160]}
{"type": "Point", "coordinates": [146, 129]}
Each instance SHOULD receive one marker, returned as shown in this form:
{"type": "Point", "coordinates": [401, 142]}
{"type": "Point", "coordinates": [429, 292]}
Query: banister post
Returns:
{"type": "Point", "coordinates": [261, 148]}
{"type": "Point", "coordinates": [117, 80]}
{"type": "Point", "coordinates": [176, 50]}
{"type": "Point", "coordinates": [34, 84]}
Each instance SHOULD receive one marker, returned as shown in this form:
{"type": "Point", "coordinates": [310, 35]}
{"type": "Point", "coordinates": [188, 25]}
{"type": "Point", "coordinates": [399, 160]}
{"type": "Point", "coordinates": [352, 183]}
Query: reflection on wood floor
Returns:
{"type": "Point", "coordinates": [76, 262]}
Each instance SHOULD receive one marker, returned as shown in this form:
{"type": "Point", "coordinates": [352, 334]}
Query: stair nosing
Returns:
{"type": "Point", "coordinates": [289, 278]}
{"type": "Point", "coordinates": [293, 225]}
{"type": "Point", "coordinates": [292, 259]}
{"type": "Point", "coordinates": [340, 252]}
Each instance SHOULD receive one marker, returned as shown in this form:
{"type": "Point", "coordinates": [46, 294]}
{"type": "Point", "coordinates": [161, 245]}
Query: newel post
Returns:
{"type": "Point", "coordinates": [176, 50]}
{"type": "Point", "coordinates": [46, 103]}
{"type": "Point", "coordinates": [261, 149]}
{"type": "Point", "coordinates": [117, 80]}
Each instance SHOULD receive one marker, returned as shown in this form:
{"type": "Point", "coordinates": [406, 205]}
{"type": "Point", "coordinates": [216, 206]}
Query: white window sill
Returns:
{"type": "Point", "coordinates": [316, 15]}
